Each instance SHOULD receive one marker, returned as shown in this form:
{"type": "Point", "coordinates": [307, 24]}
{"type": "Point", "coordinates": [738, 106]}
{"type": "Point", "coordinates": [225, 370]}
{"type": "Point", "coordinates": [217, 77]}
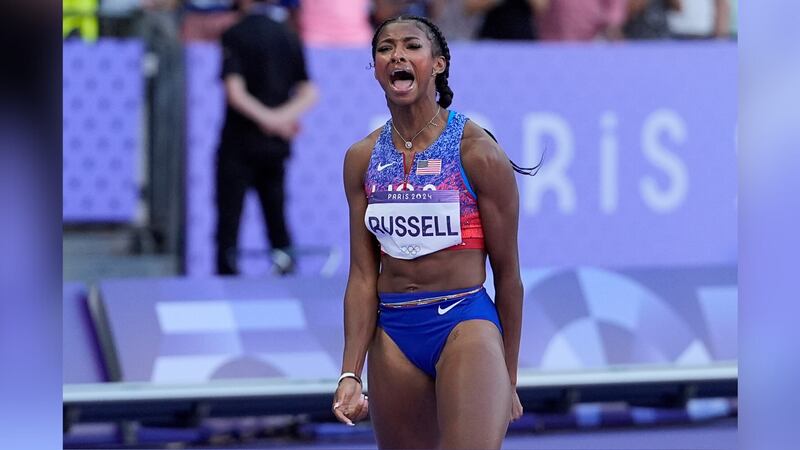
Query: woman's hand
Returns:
{"type": "Point", "coordinates": [349, 404]}
{"type": "Point", "coordinates": [516, 406]}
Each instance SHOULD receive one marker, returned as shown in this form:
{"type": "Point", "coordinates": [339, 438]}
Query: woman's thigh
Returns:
{"type": "Point", "coordinates": [402, 398]}
{"type": "Point", "coordinates": [473, 389]}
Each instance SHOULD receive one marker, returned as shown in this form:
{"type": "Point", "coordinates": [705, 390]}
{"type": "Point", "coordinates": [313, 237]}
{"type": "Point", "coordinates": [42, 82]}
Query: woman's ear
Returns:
{"type": "Point", "coordinates": [439, 65]}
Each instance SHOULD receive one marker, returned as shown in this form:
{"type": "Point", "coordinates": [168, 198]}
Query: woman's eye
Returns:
{"type": "Point", "coordinates": [414, 45]}
{"type": "Point", "coordinates": [382, 49]}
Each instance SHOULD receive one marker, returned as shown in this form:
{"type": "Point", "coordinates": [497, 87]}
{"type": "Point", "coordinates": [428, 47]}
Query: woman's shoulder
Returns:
{"type": "Point", "coordinates": [477, 143]}
{"type": "Point", "coordinates": [360, 152]}
{"type": "Point", "coordinates": [366, 144]}
{"type": "Point", "coordinates": [474, 132]}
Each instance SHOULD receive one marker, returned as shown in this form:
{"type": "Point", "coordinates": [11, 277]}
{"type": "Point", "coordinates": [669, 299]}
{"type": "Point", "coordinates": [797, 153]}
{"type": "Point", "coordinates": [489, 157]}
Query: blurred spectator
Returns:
{"type": "Point", "coordinates": [582, 20]}
{"type": "Point", "coordinates": [267, 90]}
{"type": "Point", "coordinates": [118, 17]}
{"type": "Point", "coordinates": [456, 23]}
{"type": "Point", "coordinates": [335, 22]}
{"type": "Point", "coordinates": [701, 19]}
{"type": "Point", "coordinates": [507, 19]}
{"type": "Point", "coordinates": [206, 20]}
{"type": "Point", "coordinates": [119, 7]}
{"type": "Point", "coordinates": [157, 25]}
{"type": "Point", "coordinates": [386, 9]}
{"type": "Point", "coordinates": [80, 19]}
{"type": "Point", "coordinates": [290, 9]}
{"type": "Point", "coordinates": [647, 19]}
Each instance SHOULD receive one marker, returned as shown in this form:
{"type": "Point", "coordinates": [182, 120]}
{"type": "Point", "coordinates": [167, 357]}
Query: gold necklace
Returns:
{"type": "Point", "coordinates": [408, 141]}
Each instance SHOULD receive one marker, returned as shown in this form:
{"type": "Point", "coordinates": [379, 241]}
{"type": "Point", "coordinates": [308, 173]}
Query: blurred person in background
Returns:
{"type": "Point", "coordinates": [507, 19]}
{"type": "Point", "coordinates": [647, 19]}
{"type": "Point", "coordinates": [442, 355]}
{"type": "Point", "coordinates": [267, 91]}
{"type": "Point", "coordinates": [701, 19]}
{"type": "Point", "coordinates": [206, 20]}
{"type": "Point", "coordinates": [80, 19]}
{"type": "Point", "coordinates": [581, 20]}
{"type": "Point", "coordinates": [335, 22]}
{"type": "Point", "coordinates": [456, 22]}
{"type": "Point", "coordinates": [734, 20]}
{"type": "Point", "coordinates": [386, 9]}
{"type": "Point", "coordinates": [157, 24]}
{"type": "Point", "coordinates": [288, 11]}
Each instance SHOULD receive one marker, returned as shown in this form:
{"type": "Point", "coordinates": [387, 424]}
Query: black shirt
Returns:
{"type": "Point", "coordinates": [269, 56]}
{"type": "Point", "coordinates": [509, 20]}
{"type": "Point", "coordinates": [651, 23]}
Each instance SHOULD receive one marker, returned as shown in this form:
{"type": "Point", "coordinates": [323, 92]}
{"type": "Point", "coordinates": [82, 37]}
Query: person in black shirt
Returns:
{"type": "Point", "coordinates": [267, 90]}
{"type": "Point", "coordinates": [507, 19]}
{"type": "Point", "coordinates": [647, 19]}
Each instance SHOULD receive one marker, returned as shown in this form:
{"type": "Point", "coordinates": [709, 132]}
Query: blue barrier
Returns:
{"type": "Point", "coordinates": [83, 362]}
{"type": "Point", "coordinates": [227, 347]}
{"type": "Point", "coordinates": [185, 330]}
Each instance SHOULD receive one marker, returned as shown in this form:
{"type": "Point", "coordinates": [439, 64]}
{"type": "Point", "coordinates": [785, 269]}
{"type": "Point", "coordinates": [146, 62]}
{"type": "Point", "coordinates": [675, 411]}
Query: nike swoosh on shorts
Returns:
{"type": "Point", "coordinates": [443, 311]}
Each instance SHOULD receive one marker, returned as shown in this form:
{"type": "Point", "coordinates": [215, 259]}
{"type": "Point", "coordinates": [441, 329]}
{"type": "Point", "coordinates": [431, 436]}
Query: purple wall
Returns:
{"type": "Point", "coordinates": [102, 104]}
{"type": "Point", "coordinates": [640, 166]}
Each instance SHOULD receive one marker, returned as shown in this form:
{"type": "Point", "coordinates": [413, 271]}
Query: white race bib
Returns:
{"type": "Point", "coordinates": [410, 224]}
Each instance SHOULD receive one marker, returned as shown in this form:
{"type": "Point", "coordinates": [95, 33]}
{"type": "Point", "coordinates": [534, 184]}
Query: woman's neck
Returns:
{"type": "Point", "coordinates": [411, 119]}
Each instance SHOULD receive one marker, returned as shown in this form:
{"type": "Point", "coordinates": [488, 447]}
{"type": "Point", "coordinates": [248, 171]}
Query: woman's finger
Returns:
{"type": "Point", "coordinates": [516, 406]}
{"type": "Point", "coordinates": [517, 411]}
{"type": "Point", "coordinates": [364, 409]}
{"type": "Point", "coordinates": [339, 413]}
{"type": "Point", "coordinates": [359, 411]}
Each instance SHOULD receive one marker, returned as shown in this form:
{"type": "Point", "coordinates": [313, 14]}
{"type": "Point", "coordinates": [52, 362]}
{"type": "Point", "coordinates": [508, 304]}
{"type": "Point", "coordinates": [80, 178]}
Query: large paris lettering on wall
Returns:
{"type": "Point", "coordinates": [659, 126]}
{"type": "Point", "coordinates": [639, 162]}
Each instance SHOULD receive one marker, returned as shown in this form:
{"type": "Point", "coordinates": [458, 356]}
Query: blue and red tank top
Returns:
{"type": "Point", "coordinates": [427, 207]}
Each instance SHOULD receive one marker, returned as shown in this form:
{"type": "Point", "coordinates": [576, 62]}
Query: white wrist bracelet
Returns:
{"type": "Point", "coordinates": [349, 375]}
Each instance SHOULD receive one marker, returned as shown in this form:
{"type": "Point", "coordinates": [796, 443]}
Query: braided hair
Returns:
{"type": "Point", "coordinates": [440, 48]}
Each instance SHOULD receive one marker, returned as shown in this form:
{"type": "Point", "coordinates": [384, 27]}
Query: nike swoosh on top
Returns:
{"type": "Point", "coordinates": [383, 166]}
{"type": "Point", "coordinates": [443, 311]}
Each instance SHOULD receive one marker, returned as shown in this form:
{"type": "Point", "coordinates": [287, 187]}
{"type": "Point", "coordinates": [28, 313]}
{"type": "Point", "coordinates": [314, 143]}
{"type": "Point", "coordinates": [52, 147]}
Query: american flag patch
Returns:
{"type": "Point", "coordinates": [429, 167]}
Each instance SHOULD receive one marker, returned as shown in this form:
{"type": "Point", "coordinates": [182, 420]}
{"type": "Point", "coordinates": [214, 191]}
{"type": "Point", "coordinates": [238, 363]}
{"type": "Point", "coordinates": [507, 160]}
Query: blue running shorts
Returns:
{"type": "Point", "coordinates": [422, 330]}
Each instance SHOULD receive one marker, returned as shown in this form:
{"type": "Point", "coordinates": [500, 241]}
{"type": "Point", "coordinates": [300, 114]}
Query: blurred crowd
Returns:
{"type": "Point", "coordinates": [350, 22]}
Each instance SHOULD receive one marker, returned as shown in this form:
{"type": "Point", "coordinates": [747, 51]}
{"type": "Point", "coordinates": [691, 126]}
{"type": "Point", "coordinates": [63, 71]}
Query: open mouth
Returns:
{"type": "Point", "coordinates": [401, 79]}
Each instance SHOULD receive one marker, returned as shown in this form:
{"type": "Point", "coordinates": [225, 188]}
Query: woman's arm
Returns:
{"type": "Point", "coordinates": [361, 294]}
{"type": "Point", "coordinates": [492, 177]}
{"type": "Point", "coordinates": [360, 299]}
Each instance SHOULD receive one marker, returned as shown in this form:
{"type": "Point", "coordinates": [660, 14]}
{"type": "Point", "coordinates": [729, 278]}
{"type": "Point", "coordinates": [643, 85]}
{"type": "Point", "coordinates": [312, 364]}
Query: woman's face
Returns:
{"type": "Point", "coordinates": [404, 63]}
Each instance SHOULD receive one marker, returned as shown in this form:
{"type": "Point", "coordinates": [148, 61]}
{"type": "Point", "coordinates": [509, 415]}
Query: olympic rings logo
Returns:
{"type": "Point", "coordinates": [412, 250]}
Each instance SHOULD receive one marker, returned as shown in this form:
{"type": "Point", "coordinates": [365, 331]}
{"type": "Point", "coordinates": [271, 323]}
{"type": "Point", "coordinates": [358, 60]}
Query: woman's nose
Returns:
{"type": "Point", "coordinates": [398, 56]}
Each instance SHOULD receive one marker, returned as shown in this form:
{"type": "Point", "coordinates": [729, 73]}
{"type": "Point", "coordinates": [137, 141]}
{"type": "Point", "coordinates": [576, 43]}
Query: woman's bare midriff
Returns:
{"type": "Point", "coordinates": [440, 271]}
